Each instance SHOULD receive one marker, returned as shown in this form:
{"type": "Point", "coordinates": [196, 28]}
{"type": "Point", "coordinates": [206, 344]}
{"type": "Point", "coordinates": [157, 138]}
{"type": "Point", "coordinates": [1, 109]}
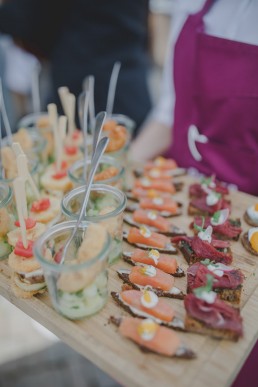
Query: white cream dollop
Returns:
{"type": "Point", "coordinates": [206, 234]}
{"type": "Point", "coordinates": [149, 299]}
{"type": "Point", "coordinates": [145, 232]}
{"type": "Point", "coordinates": [158, 201]}
{"type": "Point", "coordinates": [209, 297]}
{"type": "Point", "coordinates": [223, 216]}
{"type": "Point", "coordinates": [212, 198]}
{"type": "Point", "coordinates": [152, 215]}
{"type": "Point", "coordinates": [154, 173]}
{"type": "Point", "coordinates": [216, 270]}
{"type": "Point", "coordinates": [154, 254]}
{"type": "Point", "coordinates": [148, 270]}
{"type": "Point", "coordinates": [145, 182]}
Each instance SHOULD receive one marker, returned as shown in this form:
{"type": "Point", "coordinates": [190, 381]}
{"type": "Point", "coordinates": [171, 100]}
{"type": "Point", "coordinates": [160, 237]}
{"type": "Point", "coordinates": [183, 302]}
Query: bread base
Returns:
{"type": "Point", "coordinates": [196, 326]}
{"type": "Point", "coordinates": [247, 245]}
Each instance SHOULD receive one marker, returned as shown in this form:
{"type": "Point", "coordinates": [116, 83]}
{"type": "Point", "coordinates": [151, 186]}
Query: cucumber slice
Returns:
{"type": "Point", "coordinates": [5, 249]}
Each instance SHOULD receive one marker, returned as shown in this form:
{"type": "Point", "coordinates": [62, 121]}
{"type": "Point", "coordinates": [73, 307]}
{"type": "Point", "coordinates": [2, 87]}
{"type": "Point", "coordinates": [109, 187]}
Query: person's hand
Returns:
{"type": "Point", "coordinates": [153, 140]}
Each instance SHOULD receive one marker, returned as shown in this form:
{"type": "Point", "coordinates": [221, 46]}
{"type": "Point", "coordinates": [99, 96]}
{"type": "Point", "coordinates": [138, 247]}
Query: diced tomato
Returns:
{"type": "Point", "coordinates": [30, 223]}
{"type": "Point", "coordinates": [58, 256]}
{"type": "Point", "coordinates": [59, 175]}
{"type": "Point", "coordinates": [40, 205]}
{"type": "Point", "coordinates": [23, 251]}
{"type": "Point", "coordinates": [71, 150]}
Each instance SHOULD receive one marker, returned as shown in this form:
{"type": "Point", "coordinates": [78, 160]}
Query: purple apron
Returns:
{"type": "Point", "coordinates": [216, 117]}
{"type": "Point", "coordinates": [216, 109]}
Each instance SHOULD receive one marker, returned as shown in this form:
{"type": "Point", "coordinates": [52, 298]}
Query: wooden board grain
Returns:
{"type": "Point", "coordinates": [217, 362]}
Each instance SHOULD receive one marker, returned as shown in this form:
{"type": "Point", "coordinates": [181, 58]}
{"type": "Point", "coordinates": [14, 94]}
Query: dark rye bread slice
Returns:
{"type": "Point", "coordinates": [182, 352]}
{"type": "Point", "coordinates": [247, 245]}
{"type": "Point", "coordinates": [230, 295]}
{"type": "Point", "coordinates": [166, 214]}
{"type": "Point", "coordinates": [250, 221]}
{"type": "Point", "coordinates": [178, 294]}
{"type": "Point", "coordinates": [127, 258]}
{"type": "Point", "coordinates": [176, 323]}
{"type": "Point", "coordinates": [173, 230]}
{"type": "Point", "coordinates": [196, 326]}
{"type": "Point", "coordinates": [189, 254]}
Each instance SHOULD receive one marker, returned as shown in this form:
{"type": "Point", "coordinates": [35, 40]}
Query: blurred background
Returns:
{"type": "Point", "coordinates": [20, 336]}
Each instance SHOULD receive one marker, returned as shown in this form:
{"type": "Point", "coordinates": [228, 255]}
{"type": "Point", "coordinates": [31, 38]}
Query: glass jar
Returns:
{"type": "Point", "coordinates": [77, 288]}
{"type": "Point", "coordinates": [76, 170]}
{"type": "Point", "coordinates": [106, 206]}
{"type": "Point", "coordinates": [7, 217]}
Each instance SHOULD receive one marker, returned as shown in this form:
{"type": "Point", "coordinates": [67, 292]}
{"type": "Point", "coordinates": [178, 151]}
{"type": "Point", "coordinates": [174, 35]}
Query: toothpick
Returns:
{"type": "Point", "coordinates": [53, 118]}
{"type": "Point", "coordinates": [19, 192]}
{"type": "Point", "coordinates": [63, 92]}
{"type": "Point", "coordinates": [62, 124]}
{"type": "Point", "coordinates": [23, 172]}
{"type": "Point", "coordinates": [89, 86]}
{"type": "Point", "coordinates": [70, 103]}
{"type": "Point", "coordinates": [4, 115]}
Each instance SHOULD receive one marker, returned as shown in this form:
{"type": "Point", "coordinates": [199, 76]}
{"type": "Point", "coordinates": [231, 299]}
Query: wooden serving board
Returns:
{"type": "Point", "coordinates": [217, 362]}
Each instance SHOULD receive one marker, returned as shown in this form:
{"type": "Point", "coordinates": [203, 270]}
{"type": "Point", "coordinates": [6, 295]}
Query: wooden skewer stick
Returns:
{"type": "Point", "coordinates": [52, 112]}
{"type": "Point", "coordinates": [19, 192]}
{"type": "Point", "coordinates": [35, 92]}
{"type": "Point", "coordinates": [17, 149]}
{"type": "Point", "coordinates": [71, 101]}
{"type": "Point", "coordinates": [63, 92]}
{"type": "Point", "coordinates": [23, 172]}
{"type": "Point", "coordinates": [62, 125]}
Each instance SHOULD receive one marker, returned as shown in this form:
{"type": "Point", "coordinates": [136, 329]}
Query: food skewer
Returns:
{"type": "Point", "coordinates": [35, 94]}
{"type": "Point", "coordinates": [53, 118]}
{"type": "Point", "coordinates": [21, 206]}
{"type": "Point", "coordinates": [22, 165]}
{"type": "Point", "coordinates": [4, 115]}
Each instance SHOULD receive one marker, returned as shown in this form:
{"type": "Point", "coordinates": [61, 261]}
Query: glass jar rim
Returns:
{"type": "Point", "coordinates": [30, 119]}
{"type": "Point", "coordinates": [95, 187]}
{"type": "Point", "coordinates": [127, 121]}
{"type": "Point", "coordinates": [104, 159]}
{"type": "Point", "coordinates": [58, 229]}
{"type": "Point", "coordinates": [8, 194]}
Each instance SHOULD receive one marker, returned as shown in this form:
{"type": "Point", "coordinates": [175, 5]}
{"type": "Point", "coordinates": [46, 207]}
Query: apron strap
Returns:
{"type": "Point", "coordinates": [205, 9]}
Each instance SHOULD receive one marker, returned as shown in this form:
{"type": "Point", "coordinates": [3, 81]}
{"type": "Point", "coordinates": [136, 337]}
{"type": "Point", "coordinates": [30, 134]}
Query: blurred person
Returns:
{"type": "Point", "coordinates": [207, 117]}
{"type": "Point", "coordinates": [80, 38]}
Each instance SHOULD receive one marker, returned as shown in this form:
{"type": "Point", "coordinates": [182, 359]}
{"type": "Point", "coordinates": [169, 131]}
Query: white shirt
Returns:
{"type": "Point", "coordinates": [230, 19]}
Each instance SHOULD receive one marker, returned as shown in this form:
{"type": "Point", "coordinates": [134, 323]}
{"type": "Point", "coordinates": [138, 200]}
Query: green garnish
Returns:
{"type": "Point", "coordinates": [216, 216]}
{"type": "Point", "coordinates": [200, 228]}
{"type": "Point", "coordinates": [206, 181]}
{"type": "Point", "coordinates": [208, 262]}
{"type": "Point", "coordinates": [207, 288]}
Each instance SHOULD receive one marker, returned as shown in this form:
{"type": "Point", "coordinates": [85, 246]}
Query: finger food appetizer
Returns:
{"type": "Point", "coordinates": [6, 219]}
{"type": "Point", "coordinates": [165, 206]}
{"type": "Point", "coordinates": [117, 134]}
{"type": "Point", "coordinates": [227, 281]}
{"type": "Point", "coordinates": [223, 227]}
{"type": "Point", "coordinates": [156, 184]}
{"type": "Point", "coordinates": [153, 257]}
{"type": "Point", "coordinates": [159, 282]}
{"type": "Point", "coordinates": [208, 204]}
{"type": "Point", "coordinates": [198, 190]}
{"type": "Point", "coordinates": [156, 222]}
{"type": "Point", "coordinates": [139, 193]}
{"type": "Point", "coordinates": [151, 337]}
{"type": "Point", "coordinates": [45, 209]}
{"type": "Point", "coordinates": [251, 215]}
{"type": "Point", "coordinates": [33, 231]}
{"type": "Point", "coordinates": [168, 167]}
{"type": "Point", "coordinates": [56, 181]}
{"type": "Point", "coordinates": [207, 314]}
{"type": "Point", "coordinates": [203, 246]}
{"type": "Point", "coordinates": [146, 304]}
{"type": "Point", "coordinates": [250, 240]}
{"type": "Point", "coordinates": [145, 239]}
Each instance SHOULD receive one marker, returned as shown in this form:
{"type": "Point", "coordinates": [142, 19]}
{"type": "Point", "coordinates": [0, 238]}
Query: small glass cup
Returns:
{"type": "Point", "coordinates": [123, 120]}
{"type": "Point", "coordinates": [7, 216]}
{"type": "Point", "coordinates": [77, 289]}
{"type": "Point", "coordinates": [106, 206]}
{"type": "Point", "coordinates": [76, 170]}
